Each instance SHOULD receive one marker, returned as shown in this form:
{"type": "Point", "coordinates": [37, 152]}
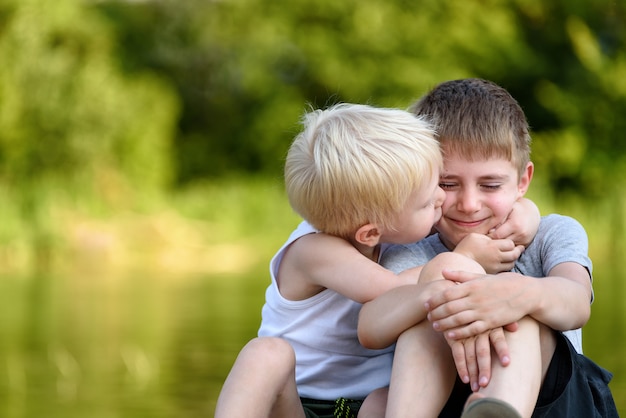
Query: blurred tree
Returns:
{"type": "Point", "coordinates": [74, 130]}
{"type": "Point", "coordinates": [245, 70]}
{"type": "Point", "coordinates": [579, 92]}
{"type": "Point", "coordinates": [67, 114]}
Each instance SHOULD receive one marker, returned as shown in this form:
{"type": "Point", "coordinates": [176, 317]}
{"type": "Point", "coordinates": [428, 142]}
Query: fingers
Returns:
{"type": "Point", "coordinates": [472, 329]}
{"type": "Point", "coordinates": [456, 320]}
{"type": "Point", "coordinates": [472, 357]}
{"type": "Point", "coordinates": [507, 230]}
{"type": "Point", "coordinates": [511, 255]}
{"type": "Point", "coordinates": [452, 293]}
{"type": "Point", "coordinates": [512, 327]}
{"type": "Point", "coordinates": [508, 258]}
{"type": "Point", "coordinates": [500, 346]}
{"type": "Point", "coordinates": [472, 365]}
{"type": "Point", "coordinates": [460, 276]}
{"type": "Point", "coordinates": [458, 354]}
{"type": "Point", "coordinates": [508, 252]}
{"type": "Point", "coordinates": [457, 326]}
{"type": "Point", "coordinates": [483, 360]}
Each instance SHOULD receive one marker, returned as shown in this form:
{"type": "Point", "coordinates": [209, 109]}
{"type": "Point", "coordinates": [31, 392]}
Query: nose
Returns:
{"type": "Point", "coordinates": [467, 201]}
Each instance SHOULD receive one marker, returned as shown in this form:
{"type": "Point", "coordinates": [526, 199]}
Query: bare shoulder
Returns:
{"type": "Point", "coordinates": [309, 259]}
{"type": "Point", "coordinates": [318, 247]}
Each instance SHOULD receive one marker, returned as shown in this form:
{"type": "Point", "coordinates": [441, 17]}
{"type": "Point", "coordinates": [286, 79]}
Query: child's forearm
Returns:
{"type": "Point", "coordinates": [383, 319]}
{"type": "Point", "coordinates": [563, 298]}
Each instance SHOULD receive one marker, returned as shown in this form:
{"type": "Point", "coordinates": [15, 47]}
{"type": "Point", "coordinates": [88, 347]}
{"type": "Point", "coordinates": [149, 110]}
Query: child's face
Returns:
{"type": "Point", "coordinates": [479, 196]}
{"type": "Point", "coordinates": [421, 212]}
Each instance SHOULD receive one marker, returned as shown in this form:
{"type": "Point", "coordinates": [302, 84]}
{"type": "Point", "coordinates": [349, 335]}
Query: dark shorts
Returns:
{"type": "Point", "coordinates": [341, 408]}
{"type": "Point", "coordinates": [574, 387]}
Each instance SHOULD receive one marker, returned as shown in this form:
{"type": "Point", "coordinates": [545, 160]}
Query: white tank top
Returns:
{"type": "Point", "coordinates": [330, 361]}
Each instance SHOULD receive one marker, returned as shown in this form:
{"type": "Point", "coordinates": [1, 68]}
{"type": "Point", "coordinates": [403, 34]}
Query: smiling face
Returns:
{"type": "Point", "coordinates": [479, 195]}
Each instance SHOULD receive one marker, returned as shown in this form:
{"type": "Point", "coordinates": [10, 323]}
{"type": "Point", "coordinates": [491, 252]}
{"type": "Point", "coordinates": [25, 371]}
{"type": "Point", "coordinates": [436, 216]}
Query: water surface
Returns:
{"type": "Point", "coordinates": [144, 346]}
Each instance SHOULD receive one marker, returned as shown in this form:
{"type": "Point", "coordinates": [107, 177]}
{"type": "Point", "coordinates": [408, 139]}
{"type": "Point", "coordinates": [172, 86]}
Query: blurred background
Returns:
{"type": "Point", "coordinates": [141, 153]}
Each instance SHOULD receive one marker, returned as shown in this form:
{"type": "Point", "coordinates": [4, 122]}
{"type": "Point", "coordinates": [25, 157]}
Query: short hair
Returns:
{"type": "Point", "coordinates": [355, 164]}
{"type": "Point", "coordinates": [477, 119]}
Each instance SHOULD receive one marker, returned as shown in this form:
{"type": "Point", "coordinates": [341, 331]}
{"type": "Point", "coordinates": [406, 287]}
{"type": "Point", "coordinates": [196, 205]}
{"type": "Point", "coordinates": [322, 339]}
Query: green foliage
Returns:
{"type": "Point", "coordinates": [104, 103]}
{"type": "Point", "coordinates": [67, 114]}
{"type": "Point", "coordinates": [246, 69]}
{"type": "Point", "coordinates": [75, 132]}
{"type": "Point", "coordinates": [576, 97]}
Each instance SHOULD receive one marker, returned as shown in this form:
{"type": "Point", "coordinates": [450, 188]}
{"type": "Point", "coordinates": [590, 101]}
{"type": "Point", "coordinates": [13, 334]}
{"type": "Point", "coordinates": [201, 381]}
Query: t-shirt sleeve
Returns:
{"type": "Point", "coordinates": [566, 241]}
{"type": "Point", "coordinates": [398, 258]}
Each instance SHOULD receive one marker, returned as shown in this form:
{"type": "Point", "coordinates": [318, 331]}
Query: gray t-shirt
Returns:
{"type": "Point", "coordinates": [559, 239]}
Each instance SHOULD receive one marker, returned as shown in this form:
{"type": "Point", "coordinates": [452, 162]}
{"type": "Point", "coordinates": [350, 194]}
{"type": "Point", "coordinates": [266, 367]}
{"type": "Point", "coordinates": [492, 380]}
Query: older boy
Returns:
{"type": "Point", "coordinates": [484, 136]}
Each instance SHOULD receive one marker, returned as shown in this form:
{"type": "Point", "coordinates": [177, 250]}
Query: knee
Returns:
{"type": "Point", "coordinates": [375, 403]}
{"type": "Point", "coordinates": [270, 350]}
{"type": "Point", "coordinates": [451, 261]}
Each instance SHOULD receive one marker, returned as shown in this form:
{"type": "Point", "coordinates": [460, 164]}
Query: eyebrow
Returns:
{"type": "Point", "coordinates": [501, 177]}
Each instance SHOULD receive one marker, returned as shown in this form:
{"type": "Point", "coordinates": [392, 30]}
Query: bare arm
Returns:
{"type": "Point", "coordinates": [382, 320]}
{"type": "Point", "coordinates": [567, 298]}
{"type": "Point", "coordinates": [561, 301]}
{"type": "Point", "coordinates": [316, 262]}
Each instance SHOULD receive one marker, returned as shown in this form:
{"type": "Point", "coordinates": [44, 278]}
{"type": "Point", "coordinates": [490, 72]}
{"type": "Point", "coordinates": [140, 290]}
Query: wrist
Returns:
{"type": "Point", "coordinates": [529, 300]}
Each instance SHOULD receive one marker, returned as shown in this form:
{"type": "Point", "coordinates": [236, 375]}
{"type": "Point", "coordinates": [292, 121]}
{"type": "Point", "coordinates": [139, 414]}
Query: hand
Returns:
{"type": "Point", "coordinates": [472, 356]}
{"type": "Point", "coordinates": [494, 255]}
{"type": "Point", "coordinates": [477, 304]}
{"type": "Point", "coordinates": [521, 225]}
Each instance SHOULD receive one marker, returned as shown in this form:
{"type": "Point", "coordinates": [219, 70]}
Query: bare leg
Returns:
{"type": "Point", "coordinates": [261, 383]}
{"type": "Point", "coordinates": [374, 405]}
{"type": "Point", "coordinates": [548, 347]}
{"type": "Point", "coordinates": [518, 383]}
{"type": "Point", "coordinates": [423, 374]}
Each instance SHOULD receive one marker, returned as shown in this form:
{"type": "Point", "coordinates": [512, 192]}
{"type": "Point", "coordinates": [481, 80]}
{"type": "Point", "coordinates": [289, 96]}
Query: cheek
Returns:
{"type": "Point", "coordinates": [449, 201]}
{"type": "Point", "coordinates": [501, 208]}
{"type": "Point", "coordinates": [425, 222]}
{"type": "Point", "coordinates": [447, 204]}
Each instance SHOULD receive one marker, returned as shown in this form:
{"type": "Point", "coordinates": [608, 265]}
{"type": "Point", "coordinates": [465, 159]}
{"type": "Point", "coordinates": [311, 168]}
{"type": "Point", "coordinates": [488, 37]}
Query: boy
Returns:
{"type": "Point", "coordinates": [362, 178]}
{"type": "Point", "coordinates": [484, 137]}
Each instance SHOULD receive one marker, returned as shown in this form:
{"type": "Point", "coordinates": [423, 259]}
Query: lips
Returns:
{"type": "Point", "coordinates": [466, 224]}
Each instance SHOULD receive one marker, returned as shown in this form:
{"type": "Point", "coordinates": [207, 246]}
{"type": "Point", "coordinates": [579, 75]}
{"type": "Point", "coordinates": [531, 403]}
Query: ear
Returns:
{"type": "Point", "coordinates": [368, 234]}
{"type": "Point", "coordinates": [525, 178]}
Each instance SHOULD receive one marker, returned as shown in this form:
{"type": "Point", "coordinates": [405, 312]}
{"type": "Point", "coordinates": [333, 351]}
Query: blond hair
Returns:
{"type": "Point", "coordinates": [478, 120]}
{"type": "Point", "coordinates": [357, 164]}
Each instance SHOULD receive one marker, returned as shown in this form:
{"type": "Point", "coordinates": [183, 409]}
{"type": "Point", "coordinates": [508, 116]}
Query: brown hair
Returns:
{"type": "Point", "coordinates": [477, 119]}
